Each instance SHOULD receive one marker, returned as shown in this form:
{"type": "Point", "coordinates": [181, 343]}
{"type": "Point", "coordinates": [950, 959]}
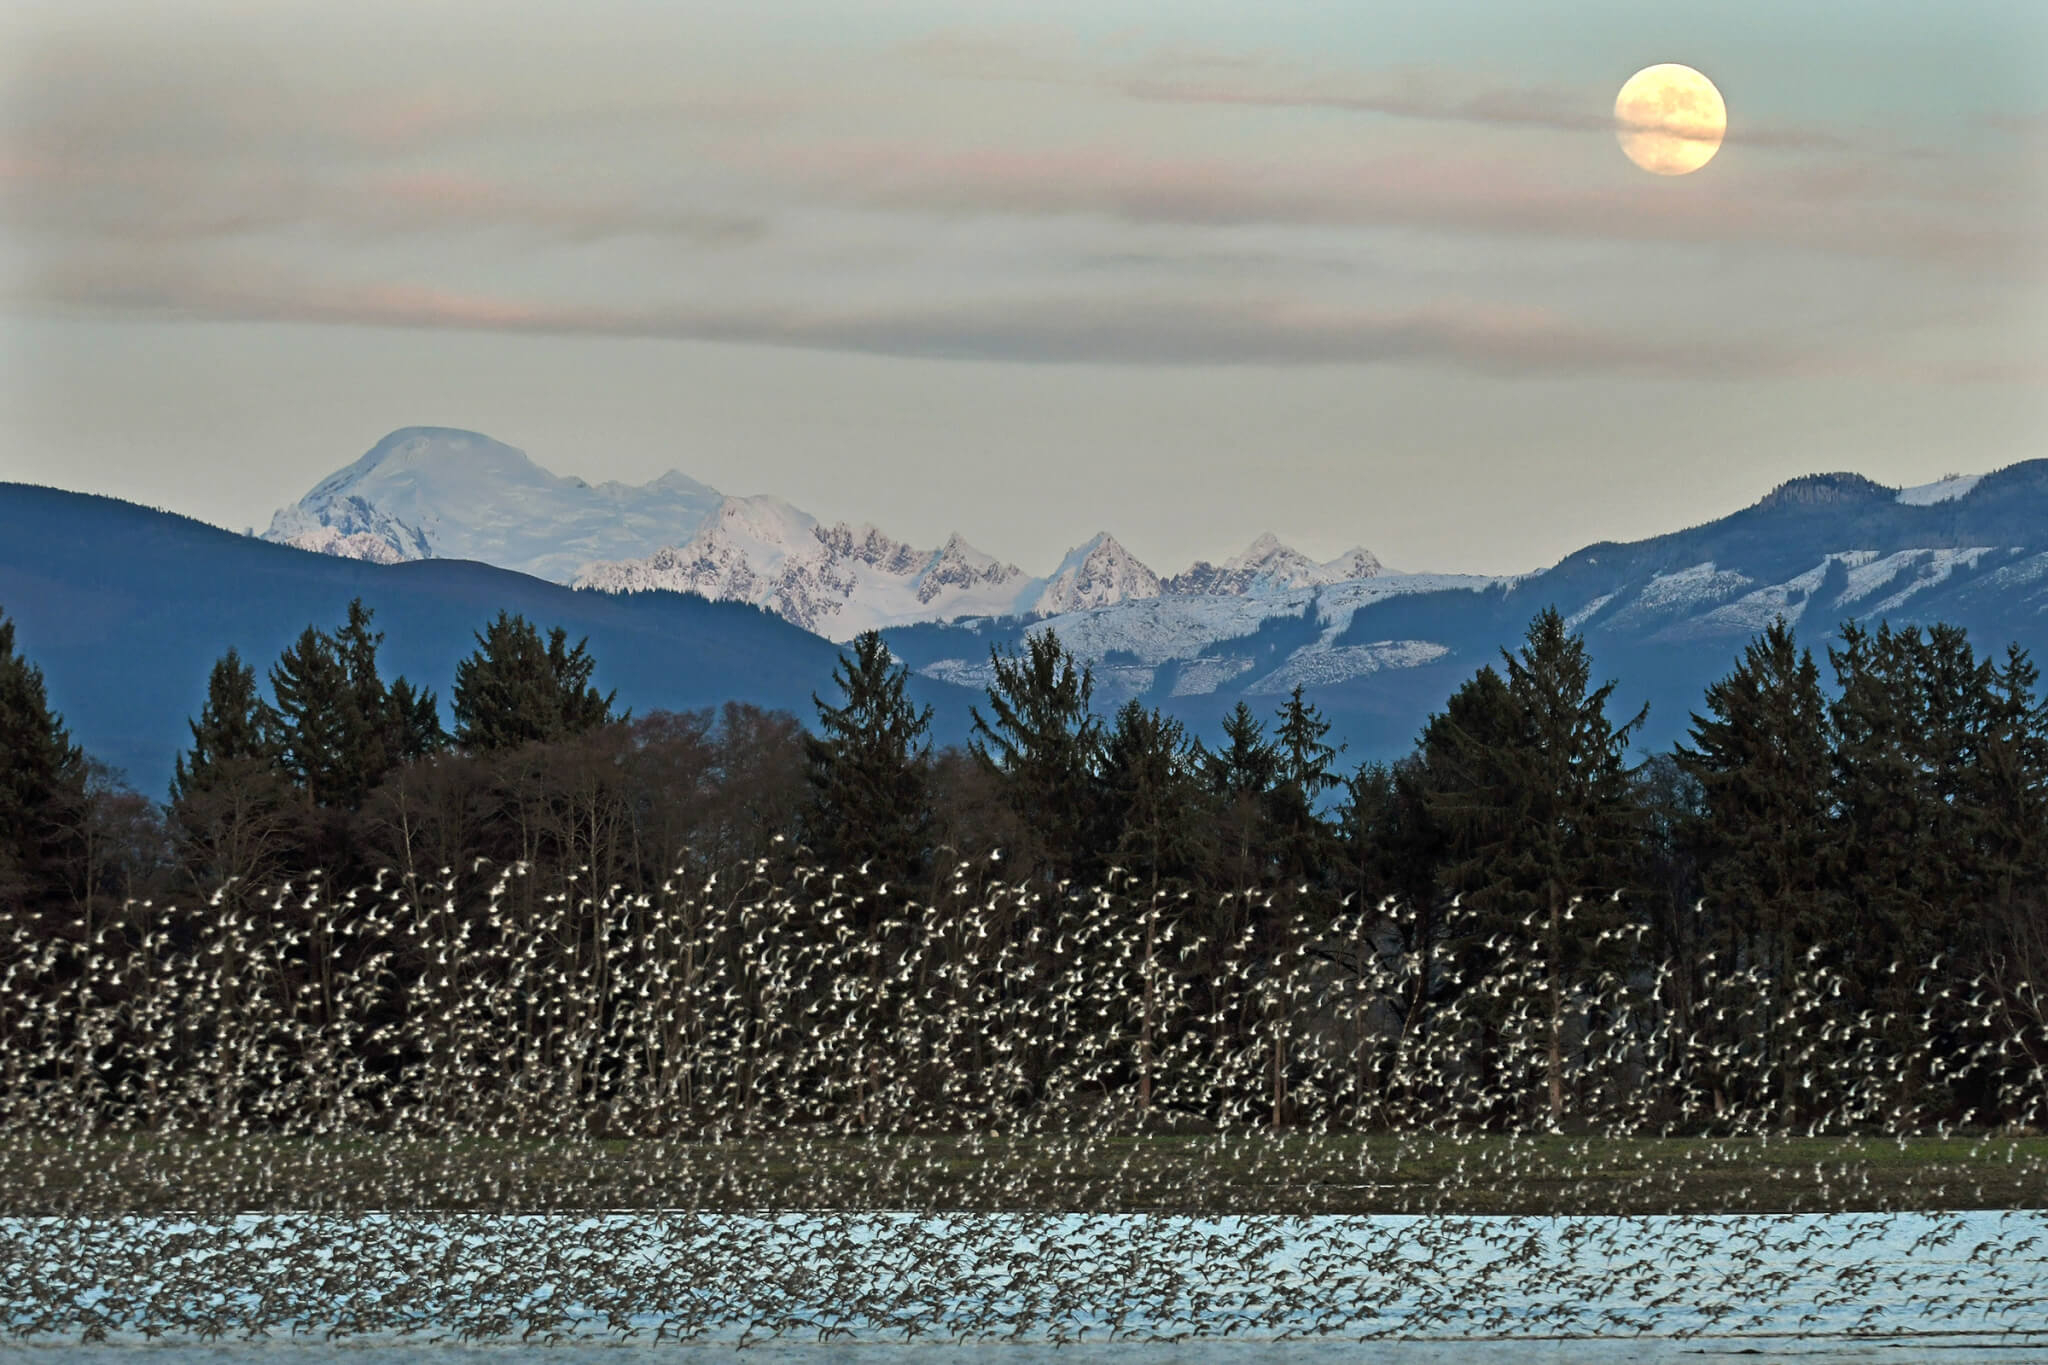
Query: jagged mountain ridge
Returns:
{"type": "Point", "coordinates": [1665, 615]}
{"type": "Point", "coordinates": [442, 493]}
{"type": "Point", "coordinates": [834, 580]}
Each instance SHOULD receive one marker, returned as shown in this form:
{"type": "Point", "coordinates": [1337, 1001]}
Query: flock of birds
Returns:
{"type": "Point", "coordinates": [736, 1110]}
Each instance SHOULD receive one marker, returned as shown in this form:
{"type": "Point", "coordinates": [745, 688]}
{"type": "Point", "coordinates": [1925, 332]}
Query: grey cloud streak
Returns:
{"type": "Point", "coordinates": [157, 205]}
{"type": "Point", "coordinates": [1839, 216]}
{"type": "Point", "coordinates": [1198, 78]}
{"type": "Point", "coordinates": [1136, 330]}
{"type": "Point", "coordinates": [1419, 99]}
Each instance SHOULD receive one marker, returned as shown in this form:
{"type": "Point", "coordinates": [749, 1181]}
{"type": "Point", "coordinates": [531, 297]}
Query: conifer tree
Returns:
{"type": "Point", "coordinates": [317, 718]}
{"type": "Point", "coordinates": [235, 726]}
{"type": "Point", "coordinates": [1895, 851]}
{"type": "Point", "coordinates": [41, 773]}
{"type": "Point", "coordinates": [1389, 847]}
{"type": "Point", "coordinates": [869, 770]}
{"type": "Point", "coordinates": [415, 721]}
{"type": "Point", "coordinates": [2007, 800]}
{"type": "Point", "coordinates": [1546, 820]}
{"type": "Point", "coordinates": [340, 729]}
{"type": "Point", "coordinates": [1045, 742]}
{"type": "Point", "coordinates": [1305, 844]}
{"type": "Point", "coordinates": [228, 798]}
{"type": "Point", "coordinates": [1763, 755]}
{"type": "Point", "coordinates": [1151, 775]}
{"type": "Point", "coordinates": [515, 690]}
{"type": "Point", "coordinates": [1240, 774]}
{"type": "Point", "coordinates": [1919, 720]}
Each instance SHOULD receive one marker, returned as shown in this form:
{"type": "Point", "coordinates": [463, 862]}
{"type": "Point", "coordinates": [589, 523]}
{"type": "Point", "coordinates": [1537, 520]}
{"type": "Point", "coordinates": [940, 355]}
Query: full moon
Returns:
{"type": "Point", "coordinates": [1670, 119]}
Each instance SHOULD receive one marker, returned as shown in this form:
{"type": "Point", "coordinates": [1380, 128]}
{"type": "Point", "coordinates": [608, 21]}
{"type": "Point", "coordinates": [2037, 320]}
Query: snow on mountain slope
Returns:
{"type": "Point", "coordinates": [1685, 591]}
{"type": "Point", "coordinates": [1321, 668]}
{"type": "Point", "coordinates": [349, 527]}
{"type": "Point", "coordinates": [1159, 630]}
{"type": "Point", "coordinates": [836, 581]}
{"type": "Point", "coordinates": [1945, 489]}
{"type": "Point", "coordinates": [441, 493]}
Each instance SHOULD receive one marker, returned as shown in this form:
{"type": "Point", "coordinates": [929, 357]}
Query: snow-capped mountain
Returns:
{"type": "Point", "coordinates": [841, 580]}
{"type": "Point", "coordinates": [1097, 574]}
{"type": "Point", "coordinates": [1267, 566]}
{"type": "Point", "coordinates": [440, 493]}
{"type": "Point", "coordinates": [1662, 616]}
{"type": "Point", "coordinates": [835, 581]}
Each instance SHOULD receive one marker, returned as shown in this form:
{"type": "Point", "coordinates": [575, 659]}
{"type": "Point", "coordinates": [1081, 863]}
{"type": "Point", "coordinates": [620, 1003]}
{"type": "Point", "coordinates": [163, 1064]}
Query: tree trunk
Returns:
{"type": "Point", "coordinates": [1556, 1060]}
{"type": "Point", "coordinates": [1145, 1027]}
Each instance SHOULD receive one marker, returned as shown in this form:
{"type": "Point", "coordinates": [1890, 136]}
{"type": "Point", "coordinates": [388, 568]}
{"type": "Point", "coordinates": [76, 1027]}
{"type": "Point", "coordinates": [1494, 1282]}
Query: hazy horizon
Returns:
{"type": "Point", "coordinates": [1185, 275]}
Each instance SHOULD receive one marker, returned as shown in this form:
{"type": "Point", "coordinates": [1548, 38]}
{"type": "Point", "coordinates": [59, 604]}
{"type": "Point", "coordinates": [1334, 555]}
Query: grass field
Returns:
{"type": "Point", "coordinates": [1253, 1172]}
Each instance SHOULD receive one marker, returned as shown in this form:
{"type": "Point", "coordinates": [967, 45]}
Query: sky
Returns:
{"type": "Point", "coordinates": [1181, 270]}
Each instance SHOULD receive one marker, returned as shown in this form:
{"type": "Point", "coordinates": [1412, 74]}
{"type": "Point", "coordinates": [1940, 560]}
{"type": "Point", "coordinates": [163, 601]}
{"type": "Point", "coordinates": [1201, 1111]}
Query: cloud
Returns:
{"type": "Point", "coordinates": [1256, 81]}
{"type": "Point", "coordinates": [1096, 328]}
{"type": "Point", "coordinates": [1417, 96]}
{"type": "Point", "coordinates": [1847, 214]}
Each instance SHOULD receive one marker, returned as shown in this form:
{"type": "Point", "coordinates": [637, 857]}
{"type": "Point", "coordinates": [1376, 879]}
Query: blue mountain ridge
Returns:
{"type": "Point", "coordinates": [1662, 648]}
{"type": "Point", "coordinates": [125, 609]}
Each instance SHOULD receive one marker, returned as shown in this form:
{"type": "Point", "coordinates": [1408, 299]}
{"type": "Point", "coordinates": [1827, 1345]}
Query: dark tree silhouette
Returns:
{"type": "Point", "coordinates": [515, 690]}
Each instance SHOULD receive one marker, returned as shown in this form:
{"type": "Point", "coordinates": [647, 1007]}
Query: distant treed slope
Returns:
{"type": "Point", "coordinates": [125, 609]}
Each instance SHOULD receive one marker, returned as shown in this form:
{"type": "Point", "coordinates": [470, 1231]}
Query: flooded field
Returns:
{"type": "Point", "coordinates": [865, 1286]}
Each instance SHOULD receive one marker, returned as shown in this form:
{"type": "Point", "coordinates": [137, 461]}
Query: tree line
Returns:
{"type": "Point", "coordinates": [1897, 817]}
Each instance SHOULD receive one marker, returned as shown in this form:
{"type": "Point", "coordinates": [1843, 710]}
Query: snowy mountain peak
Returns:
{"type": "Point", "coordinates": [1356, 562]}
{"type": "Point", "coordinates": [443, 493]}
{"type": "Point", "coordinates": [412, 457]}
{"type": "Point", "coordinates": [836, 580]}
{"type": "Point", "coordinates": [676, 481]}
{"type": "Point", "coordinates": [1268, 566]}
{"type": "Point", "coordinates": [1094, 575]}
{"type": "Point", "coordinates": [763, 519]}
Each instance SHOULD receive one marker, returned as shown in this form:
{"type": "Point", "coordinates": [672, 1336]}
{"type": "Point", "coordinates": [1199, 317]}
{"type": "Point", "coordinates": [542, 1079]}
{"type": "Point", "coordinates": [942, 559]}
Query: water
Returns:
{"type": "Point", "coordinates": [878, 1286]}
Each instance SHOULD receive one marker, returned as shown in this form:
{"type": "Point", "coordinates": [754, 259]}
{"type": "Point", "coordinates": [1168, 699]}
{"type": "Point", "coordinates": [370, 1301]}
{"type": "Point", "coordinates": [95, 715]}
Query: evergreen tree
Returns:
{"type": "Point", "coordinates": [41, 775]}
{"type": "Point", "coordinates": [1931, 742]}
{"type": "Point", "coordinates": [1151, 773]}
{"type": "Point", "coordinates": [1896, 848]}
{"type": "Point", "coordinates": [317, 721]}
{"type": "Point", "coordinates": [235, 726]}
{"type": "Point", "coordinates": [1304, 843]}
{"type": "Point", "coordinates": [2007, 801]}
{"type": "Point", "coordinates": [1545, 822]}
{"type": "Point", "coordinates": [1240, 775]}
{"type": "Point", "coordinates": [1763, 755]}
{"type": "Point", "coordinates": [869, 769]}
{"type": "Point", "coordinates": [415, 720]}
{"type": "Point", "coordinates": [515, 690]}
{"type": "Point", "coordinates": [1390, 848]}
{"type": "Point", "coordinates": [230, 797]}
{"type": "Point", "coordinates": [340, 730]}
{"type": "Point", "coordinates": [1041, 736]}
